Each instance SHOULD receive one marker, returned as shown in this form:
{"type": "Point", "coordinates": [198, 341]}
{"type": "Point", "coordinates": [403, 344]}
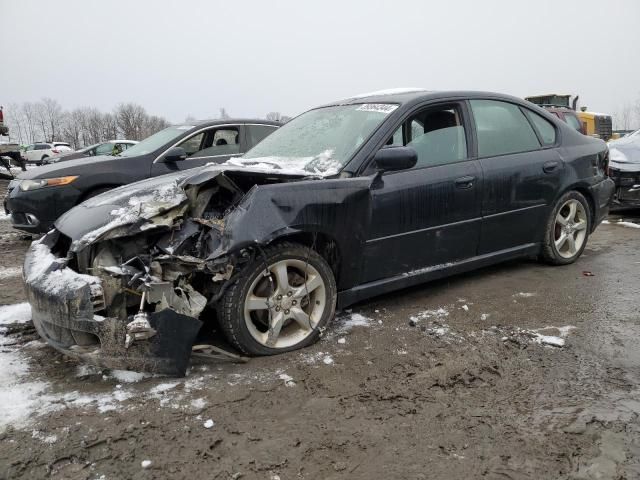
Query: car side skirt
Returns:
{"type": "Point", "coordinates": [416, 277]}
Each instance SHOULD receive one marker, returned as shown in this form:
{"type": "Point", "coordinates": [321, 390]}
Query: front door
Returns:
{"type": "Point", "coordinates": [429, 215]}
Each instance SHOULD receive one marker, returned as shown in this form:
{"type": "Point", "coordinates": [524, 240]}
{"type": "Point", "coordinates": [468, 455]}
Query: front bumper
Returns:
{"type": "Point", "coordinates": [36, 211]}
{"type": "Point", "coordinates": [64, 306]}
{"type": "Point", "coordinates": [627, 188]}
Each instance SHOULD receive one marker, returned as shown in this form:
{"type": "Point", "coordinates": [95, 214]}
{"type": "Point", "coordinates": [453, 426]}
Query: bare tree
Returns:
{"type": "Point", "coordinates": [153, 124]}
{"type": "Point", "coordinates": [223, 114]}
{"type": "Point", "coordinates": [47, 121]}
{"type": "Point", "coordinates": [130, 118]}
{"type": "Point", "coordinates": [15, 120]}
{"type": "Point", "coordinates": [274, 116]}
{"type": "Point", "coordinates": [29, 115]}
{"type": "Point", "coordinates": [52, 112]}
{"type": "Point", "coordinates": [624, 118]}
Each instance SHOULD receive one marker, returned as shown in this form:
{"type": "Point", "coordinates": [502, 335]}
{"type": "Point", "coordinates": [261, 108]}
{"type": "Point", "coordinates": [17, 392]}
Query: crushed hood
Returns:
{"type": "Point", "coordinates": [134, 205]}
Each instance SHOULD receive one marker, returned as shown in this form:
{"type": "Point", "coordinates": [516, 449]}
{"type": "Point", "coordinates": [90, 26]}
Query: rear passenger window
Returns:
{"type": "Point", "coordinates": [544, 127]}
{"type": "Point", "coordinates": [502, 128]}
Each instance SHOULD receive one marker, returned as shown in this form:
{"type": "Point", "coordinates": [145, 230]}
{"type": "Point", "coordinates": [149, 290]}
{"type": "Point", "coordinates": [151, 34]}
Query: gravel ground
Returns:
{"type": "Point", "coordinates": [519, 371]}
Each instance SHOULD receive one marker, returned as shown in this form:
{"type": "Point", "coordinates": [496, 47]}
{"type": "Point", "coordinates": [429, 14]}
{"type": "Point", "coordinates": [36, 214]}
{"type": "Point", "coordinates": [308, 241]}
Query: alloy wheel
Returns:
{"type": "Point", "coordinates": [570, 230]}
{"type": "Point", "coordinates": [285, 303]}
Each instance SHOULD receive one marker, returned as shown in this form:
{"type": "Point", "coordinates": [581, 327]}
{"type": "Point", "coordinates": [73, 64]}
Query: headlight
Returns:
{"type": "Point", "coordinates": [616, 155]}
{"type": "Point", "coordinates": [28, 185]}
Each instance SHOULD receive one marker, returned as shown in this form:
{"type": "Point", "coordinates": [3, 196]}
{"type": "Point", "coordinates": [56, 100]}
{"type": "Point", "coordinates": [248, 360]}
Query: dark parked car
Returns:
{"type": "Point", "coordinates": [112, 147]}
{"type": "Point", "coordinates": [40, 196]}
{"type": "Point", "coordinates": [624, 169]}
{"type": "Point", "coordinates": [347, 201]}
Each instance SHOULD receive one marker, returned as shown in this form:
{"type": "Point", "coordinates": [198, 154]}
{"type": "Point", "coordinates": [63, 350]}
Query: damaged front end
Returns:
{"type": "Point", "coordinates": [135, 291]}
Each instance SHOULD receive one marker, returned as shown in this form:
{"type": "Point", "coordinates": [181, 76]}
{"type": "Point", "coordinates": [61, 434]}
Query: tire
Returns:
{"type": "Point", "coordinates": [569, 219]}
{"type": "Point", "coordinates": [253, 311]}
{"type": "Point", "coordinates": [43, 157]}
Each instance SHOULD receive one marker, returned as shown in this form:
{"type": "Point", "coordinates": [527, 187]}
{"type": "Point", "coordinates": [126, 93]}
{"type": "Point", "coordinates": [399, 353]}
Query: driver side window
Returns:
{"type": "Point", "coordinates": [193, 144]}
{"type": "Point", "coordinates": [437, 134]}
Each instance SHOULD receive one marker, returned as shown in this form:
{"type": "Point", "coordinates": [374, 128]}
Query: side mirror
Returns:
{"type": "Point", "coordinates": [395, 158]}
{"type": "Point", "coordinates": [175, 154]}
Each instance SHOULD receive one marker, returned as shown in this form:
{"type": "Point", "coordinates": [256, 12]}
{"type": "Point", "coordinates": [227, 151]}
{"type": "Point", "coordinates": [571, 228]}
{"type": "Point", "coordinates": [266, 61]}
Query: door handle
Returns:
{"type": "Point", "coordinates": [550, 167]}
{"type": "Point", "coordinates": [465, 182]}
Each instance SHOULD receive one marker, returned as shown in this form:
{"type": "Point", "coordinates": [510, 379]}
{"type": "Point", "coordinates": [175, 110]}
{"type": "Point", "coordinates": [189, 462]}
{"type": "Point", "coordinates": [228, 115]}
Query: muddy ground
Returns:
{"type": "Point", "coordinates": [467, 389]}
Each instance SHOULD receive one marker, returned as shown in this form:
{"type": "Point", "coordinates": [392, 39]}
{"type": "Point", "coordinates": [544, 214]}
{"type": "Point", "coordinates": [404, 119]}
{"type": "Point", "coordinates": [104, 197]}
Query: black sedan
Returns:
{"type": "Point", "coordinates": [350, 200]}
{"type": "Point", "coordinates": [39, 196]}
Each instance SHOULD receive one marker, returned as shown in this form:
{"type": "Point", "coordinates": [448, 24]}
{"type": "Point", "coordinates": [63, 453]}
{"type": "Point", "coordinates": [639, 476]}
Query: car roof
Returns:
{"type": "Point", "coordinates": [409, 96]}
{"type": "Point", "coordinates": [227, 121]}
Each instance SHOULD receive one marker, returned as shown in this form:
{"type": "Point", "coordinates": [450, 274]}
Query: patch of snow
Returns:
{"type": "Point", "coordinates": [323, 164]}
{"type": "Point", "coordinates": [17, 313]}
{"type": "Point", "coordinates": [163, 387]}
{"type": "Point", "coordinates": [128, 376]}
{"type": "Point", "coordinates": [465, 308]}
{"type": "Point", "coordinates": [484, 316]}
{"type": "Point", "coordinates": [549, 340]}
{"type": "Point", "coordinates": [208, 424]}
{"type": "Point", "coordinates": [429, 314]}
{"type": "Point", "coordinates": [288, 380]}
{"type": "Point", "coordinates": [389, 91]}
{"type": "Point", "coordinates": [342, 341]}
{"type": "Point", "coordinates": [50, 439]}
{"type": "Point", "coordinates": [10, 273]}
{"type": "Point", "coordinates": [199, 403]}
{"type": "Point", "coordinates": [345, 323]}
{"type": "Point", "coordinates": [525, 294]}
{"type": "Point", "coordinates": [145, 463]}
{"type": "Point", "coordinates": [327, 360]}
{"type": "Point", "coordinates": [623, 223]}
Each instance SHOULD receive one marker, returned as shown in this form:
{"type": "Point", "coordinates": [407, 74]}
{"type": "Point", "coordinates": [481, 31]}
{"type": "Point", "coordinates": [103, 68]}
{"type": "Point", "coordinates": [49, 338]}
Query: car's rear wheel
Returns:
{"type": "Point", "coordinates": [280, 302]}
{"type": "Point", "coordinates": [568, 229]}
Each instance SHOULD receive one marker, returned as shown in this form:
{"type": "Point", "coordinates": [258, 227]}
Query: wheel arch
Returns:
{"type": "Point", "coordinates": [585, 191]}
{"type": "Point", "coordinates": [323, 243]}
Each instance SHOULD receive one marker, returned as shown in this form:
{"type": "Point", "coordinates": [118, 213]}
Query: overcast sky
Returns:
{"type": "Point", "coordinates": [190, 57]}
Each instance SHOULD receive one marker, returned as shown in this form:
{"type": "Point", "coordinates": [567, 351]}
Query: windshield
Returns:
{"type": "Point", "coordinates": [318, 142]}
{"type": "Point", "coordinates": [156, 141]}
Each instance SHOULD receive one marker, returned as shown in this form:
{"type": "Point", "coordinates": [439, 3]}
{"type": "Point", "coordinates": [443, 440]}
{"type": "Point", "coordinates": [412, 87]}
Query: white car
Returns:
{"type": "Point", "coordinates": [37, 152]}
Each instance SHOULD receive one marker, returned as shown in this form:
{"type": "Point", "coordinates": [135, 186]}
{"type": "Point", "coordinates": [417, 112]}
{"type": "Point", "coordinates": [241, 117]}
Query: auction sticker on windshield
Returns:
{"type": "Point", "coordinates": [377, 107]}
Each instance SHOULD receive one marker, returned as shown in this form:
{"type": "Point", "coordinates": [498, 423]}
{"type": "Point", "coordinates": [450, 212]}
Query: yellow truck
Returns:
{"type": "Point", "coordinates": [594, 124]}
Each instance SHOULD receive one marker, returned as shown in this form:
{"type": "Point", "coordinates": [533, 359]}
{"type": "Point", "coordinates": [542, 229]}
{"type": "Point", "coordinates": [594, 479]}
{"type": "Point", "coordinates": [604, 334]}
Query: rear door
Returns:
{"type": "Point", "coordinates": [210, 145]}
{"type": "Point", "coordinates": [428, 215]}
{"type": "Point", "coordinates": [522, 171]}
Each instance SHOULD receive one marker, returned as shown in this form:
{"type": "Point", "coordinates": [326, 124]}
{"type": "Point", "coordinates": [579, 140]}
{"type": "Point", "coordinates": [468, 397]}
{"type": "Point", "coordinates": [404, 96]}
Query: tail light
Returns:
{"type": "Point", "coordinates": [54, 150]}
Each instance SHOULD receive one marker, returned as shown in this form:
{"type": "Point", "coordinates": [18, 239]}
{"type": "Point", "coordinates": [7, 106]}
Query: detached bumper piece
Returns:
{"type": "Point", "coordinates": [64, 302]}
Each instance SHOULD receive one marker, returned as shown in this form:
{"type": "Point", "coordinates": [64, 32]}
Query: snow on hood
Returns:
{"type": "Point", "coordinates": [322, 165]}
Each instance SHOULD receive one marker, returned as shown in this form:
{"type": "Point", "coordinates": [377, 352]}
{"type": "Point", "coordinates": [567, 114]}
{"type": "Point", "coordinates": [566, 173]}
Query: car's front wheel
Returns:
{"type": "Point", "coordinates": [568, 229]}
{"type": "Point", "coordinates": [281, 301]}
